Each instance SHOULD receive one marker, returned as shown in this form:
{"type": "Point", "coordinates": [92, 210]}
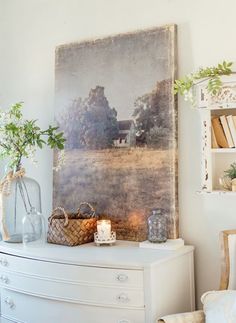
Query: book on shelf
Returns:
{"type": "Point", "coordinates": [214, 143]}
{"type": "Point", "coordinates": [232, 127]}
{"type": "Point", "coordinates": [234, 120]}
{"type": "Point", "coordinates": [227, 131]}
{"type": "Point", "coordinates": [219, 133]}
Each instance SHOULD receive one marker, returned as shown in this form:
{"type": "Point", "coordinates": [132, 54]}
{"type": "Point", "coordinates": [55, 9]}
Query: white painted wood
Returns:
{"type": "Point", "coordinates": [77, 292]}
{"type": "Point", "coordinates": [217, 192]}
{"type": "Point", "coordinates": [206, 164]}
{"type": "Point", "coordinates": [69, 273]}
{"type": "Point", "coordinates": [200, 95]}
{"type": "Point", "coordinates": [30, 309]}
{"type": "Point", "coordinates": [123, 255]}
{"type": "Point", "coordinates": [229, 106]}
{"type": "Point", "coordinates": [179, 279]}
{"type": "Point", "coordinates": [215, 161]}
{"type": "Point", "coordinates": [88, 284]}
{"type": "Point", "coordinates": [223, 150]}
{"type": "Point", "coordinates": [170, 244]}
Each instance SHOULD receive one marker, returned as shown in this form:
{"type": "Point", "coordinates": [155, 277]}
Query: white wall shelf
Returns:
{"type": "Point", "coordinates": [215, 160]}
{"type": "Point", "coordinates": [219, 107]}
{"type": "Point", "coordinates": [216, 192]}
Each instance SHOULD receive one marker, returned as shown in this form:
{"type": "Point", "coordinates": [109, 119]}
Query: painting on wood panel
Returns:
{"type": "Point", "coordinates": [115, 103]}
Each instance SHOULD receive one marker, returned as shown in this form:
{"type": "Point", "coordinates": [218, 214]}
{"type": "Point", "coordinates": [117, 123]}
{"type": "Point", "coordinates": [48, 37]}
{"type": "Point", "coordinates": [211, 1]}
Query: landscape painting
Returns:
{"type": "Point", "coordinates": [115, 104]}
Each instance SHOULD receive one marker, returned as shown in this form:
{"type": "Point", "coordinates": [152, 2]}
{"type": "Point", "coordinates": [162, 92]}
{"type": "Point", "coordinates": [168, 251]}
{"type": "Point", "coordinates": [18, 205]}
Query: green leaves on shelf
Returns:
{"type": "Point", "coordinates": [231, 172]}
{"type": "Point", "coordinates": [184, 85]}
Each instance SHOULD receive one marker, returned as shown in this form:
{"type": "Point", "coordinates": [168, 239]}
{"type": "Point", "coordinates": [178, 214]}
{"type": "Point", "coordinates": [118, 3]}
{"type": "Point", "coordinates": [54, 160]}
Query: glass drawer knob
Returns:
{"type": "Point", "coordinates": [9, 302]}
{"type": "Point", "coordinates": [122, 277]}
{"type": "Point", "coordinates": [4, 279]}
{"type": "Point", "coordinates": [123, 298]}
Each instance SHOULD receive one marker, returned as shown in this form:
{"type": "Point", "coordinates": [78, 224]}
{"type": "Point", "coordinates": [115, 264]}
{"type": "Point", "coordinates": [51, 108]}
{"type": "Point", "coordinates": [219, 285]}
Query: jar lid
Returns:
{"type": "Point", "coordinates": [158, 211]}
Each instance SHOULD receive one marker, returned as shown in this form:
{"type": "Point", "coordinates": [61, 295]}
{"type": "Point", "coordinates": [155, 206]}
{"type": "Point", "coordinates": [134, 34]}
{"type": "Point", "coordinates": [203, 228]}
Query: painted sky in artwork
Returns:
{"type": "Point", "coordinates": [125, 66]}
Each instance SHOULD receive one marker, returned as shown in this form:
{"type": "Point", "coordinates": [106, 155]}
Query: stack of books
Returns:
{"type": "Point", "coordinates": [223, 130]}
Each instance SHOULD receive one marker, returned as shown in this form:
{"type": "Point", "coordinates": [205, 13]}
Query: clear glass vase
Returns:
{"type": "Point", "coordinates": [21, 196]}
{"type": "Point", "coordinates": [157, 226]}
{"type": "Point", "coordinates": [33, 228]}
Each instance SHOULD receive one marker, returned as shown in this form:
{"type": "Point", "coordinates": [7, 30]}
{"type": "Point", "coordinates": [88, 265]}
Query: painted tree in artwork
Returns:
{"type": "Point", "coordinates": [70, 123]}
{"type": "Point", "coordinates": [151, 115]}
{"type": "Point", "coordinates": [90, 123]}
{"type": "Point", "coordinates": [99, 121]}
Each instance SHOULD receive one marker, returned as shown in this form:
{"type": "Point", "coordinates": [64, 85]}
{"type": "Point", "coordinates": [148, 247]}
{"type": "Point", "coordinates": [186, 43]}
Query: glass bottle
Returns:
{"type": "Point", "coordinates": [157, 226]}
{"type": "Point", "coordinates": [33, 228]}
{"type": "Point", "coordinates": [22, 195]}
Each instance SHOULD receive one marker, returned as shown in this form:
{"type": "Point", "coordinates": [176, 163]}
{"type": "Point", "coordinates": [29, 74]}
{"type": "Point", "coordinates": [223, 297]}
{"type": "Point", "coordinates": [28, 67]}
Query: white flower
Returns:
{"type": "Point", "coordinates": [188, 96]}
{"type": "Point", "coordinates": [61, 159]}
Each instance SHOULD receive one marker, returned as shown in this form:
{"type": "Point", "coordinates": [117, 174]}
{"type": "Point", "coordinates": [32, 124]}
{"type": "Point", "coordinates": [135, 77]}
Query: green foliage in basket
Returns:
{"type": "Point", "coordinates": [20, 137]}
{"type": "Point", "coordinates": [184, 85]}
{"type": "Point", "coordinates": [231, 172]}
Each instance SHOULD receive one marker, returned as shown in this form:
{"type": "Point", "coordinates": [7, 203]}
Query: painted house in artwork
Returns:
{"type": "Point", "coordinates": [127, 134]}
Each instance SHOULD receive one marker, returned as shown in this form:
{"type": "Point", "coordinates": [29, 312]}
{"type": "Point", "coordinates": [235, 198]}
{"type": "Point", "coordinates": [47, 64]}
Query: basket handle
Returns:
{"type": "Point", "coordinates": [89, 205]}
{"type": "Point", "coordinates": [54, 215]}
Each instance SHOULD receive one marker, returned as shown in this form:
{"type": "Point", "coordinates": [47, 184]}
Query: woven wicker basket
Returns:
{"type": "Point", "coordinates": [71, 229]}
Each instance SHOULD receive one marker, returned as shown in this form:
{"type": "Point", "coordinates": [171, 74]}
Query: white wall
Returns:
{"type": "Point", "coordinates": [31, 29]}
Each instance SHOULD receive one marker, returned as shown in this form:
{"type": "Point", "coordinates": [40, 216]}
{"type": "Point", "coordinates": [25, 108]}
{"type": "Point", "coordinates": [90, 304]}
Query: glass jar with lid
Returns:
{"type": "Point", "coordinates": [33, 228]}
{"type": "Point", "coordinates": [157, 226]}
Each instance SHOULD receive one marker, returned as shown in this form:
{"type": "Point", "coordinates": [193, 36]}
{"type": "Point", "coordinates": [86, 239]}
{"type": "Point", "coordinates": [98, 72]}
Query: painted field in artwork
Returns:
{"type": "Point", "coordinates": [128, 182]}
{"type": "Point", "coordinates": [115, 104]}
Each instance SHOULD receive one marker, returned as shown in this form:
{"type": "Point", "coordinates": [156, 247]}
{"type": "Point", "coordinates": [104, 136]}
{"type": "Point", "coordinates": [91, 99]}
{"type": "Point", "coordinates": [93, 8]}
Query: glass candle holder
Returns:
{"type": "Point", "coordinates": [104, 229]}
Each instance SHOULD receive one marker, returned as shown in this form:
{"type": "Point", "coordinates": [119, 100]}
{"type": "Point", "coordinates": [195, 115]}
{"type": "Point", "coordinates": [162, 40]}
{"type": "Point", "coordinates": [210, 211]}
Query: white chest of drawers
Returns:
{"type": "Point", "coordinates": [89, 284]}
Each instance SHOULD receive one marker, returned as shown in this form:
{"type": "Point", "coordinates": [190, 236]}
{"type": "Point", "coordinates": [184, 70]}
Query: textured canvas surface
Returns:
{"type": "Point", "coordinates": [114, 102]}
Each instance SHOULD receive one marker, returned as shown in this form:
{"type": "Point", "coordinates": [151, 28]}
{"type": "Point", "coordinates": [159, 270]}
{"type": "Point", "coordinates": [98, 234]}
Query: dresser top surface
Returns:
{"type": "Point", "coordinates": [124, 254]}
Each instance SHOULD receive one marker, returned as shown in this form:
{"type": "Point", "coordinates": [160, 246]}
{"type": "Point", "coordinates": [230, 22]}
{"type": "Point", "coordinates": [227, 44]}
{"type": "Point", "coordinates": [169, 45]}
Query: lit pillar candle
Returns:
{"type": "Point", "coordinates": [104, 229]}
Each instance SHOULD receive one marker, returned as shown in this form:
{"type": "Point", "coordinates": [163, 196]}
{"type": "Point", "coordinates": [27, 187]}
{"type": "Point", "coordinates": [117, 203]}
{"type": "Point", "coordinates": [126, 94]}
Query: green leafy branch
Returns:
{"type": "Point", "coordinates": [184, 85]}
{"type": "Point", "coordinates": [20, 138]}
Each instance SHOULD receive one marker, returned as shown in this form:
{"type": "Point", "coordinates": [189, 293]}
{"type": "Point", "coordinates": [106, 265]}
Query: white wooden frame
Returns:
{"type": "Point", "coordinates": [206, 104]}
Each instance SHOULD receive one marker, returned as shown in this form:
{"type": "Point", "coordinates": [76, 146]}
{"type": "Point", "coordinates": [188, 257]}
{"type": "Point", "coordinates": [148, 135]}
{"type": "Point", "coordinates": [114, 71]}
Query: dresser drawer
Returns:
{"type": "Point", "coordinates": [71, 291]}
{"type": "Point", "coordinates": [24, 308]}
{"type": "Point", "coordinates": [84, 274]}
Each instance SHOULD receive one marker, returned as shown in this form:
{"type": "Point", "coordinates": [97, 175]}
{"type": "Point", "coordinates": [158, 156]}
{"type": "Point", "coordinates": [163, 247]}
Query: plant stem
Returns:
{"type": "Point", "coordinates": [202, 81]}
{"type": "Point", "coordinates": [18, 165]}
{"type": "Point", "coordinates": [27, 194]}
